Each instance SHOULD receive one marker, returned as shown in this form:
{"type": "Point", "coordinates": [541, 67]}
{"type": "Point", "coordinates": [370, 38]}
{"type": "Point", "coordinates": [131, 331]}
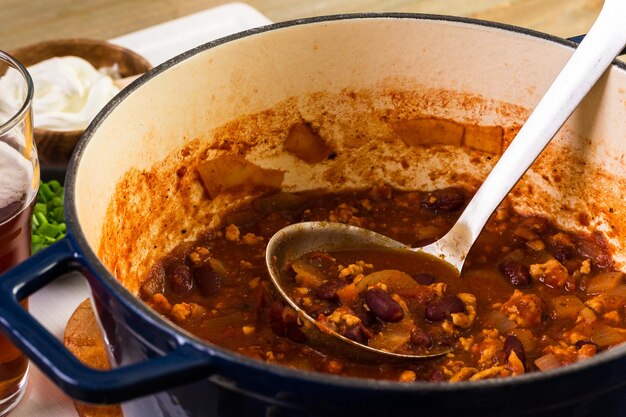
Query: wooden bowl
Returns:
{"type": "Point", "coordinates": [55, 147]}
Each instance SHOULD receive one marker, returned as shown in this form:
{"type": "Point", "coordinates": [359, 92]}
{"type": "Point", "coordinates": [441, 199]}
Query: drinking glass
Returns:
{"type": "Point", "coordinates": [19, 182]}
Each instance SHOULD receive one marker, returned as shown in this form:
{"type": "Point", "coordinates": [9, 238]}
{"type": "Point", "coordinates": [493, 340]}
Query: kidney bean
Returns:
{"type": "Point", "coordinates": [328, 289]}
{"type": "Point", "coordinates": [444, 200]}
{"type": "Point", "coordinates": [382, 305]}
{"type": "Point", "coordinates": [155, 284]}
{"type": "Point", "coordinates": [355, 333]}
{"type": "Point", "coordinates": [572, 265]}
{"type": "Point", "coordinates": [179, 278]}
{"type": "Point", "coordinates": [367, 332]}
{"type": "Point", "coordinates": [420, 337]}
{"type": "Point", "coordinates": [437, 376]}
{"type": "Point", "coordinates": [562, 255]}
{"type": "Point", "coordinates": [441, 309]}
{"type": "Point", "coordinates": [513, 344]}
{"type": "Point", "coordinates": [207, 280]}
{"type": "Point", "coordinates": [363, 312]}
{"type": "Point", "coordinates": [423, 279]}
{"type": "Point", "coordinates": [516, 273]}
{"type": "Point", "coordinates": [284, 323]}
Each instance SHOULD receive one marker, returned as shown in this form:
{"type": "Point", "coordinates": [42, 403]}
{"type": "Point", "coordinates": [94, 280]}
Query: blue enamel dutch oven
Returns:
{"type": "Point", "coordinates": [161, 370]}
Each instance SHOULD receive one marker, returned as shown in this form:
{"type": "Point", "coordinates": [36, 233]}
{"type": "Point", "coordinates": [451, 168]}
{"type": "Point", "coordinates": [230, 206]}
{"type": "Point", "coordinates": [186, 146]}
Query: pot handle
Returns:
{"type": "Point", "coordinates": [183, 365]}
{"type": "Point", "coordinates": [579, 39]}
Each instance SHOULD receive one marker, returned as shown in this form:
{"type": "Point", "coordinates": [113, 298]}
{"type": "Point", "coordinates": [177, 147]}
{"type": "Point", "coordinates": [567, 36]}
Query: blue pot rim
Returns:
{"type": "Point", "coordinates": [606, 359]}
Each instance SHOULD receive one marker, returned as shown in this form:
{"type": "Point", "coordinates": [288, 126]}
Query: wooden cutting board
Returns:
{"type": "Point", "coordinates": [83, 338]}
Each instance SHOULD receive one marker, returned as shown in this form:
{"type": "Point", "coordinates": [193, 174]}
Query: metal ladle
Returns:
{"type": "Point", "coordinates": [602, 44]}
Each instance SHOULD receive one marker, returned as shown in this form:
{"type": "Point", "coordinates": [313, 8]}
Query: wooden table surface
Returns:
{"type": "Point", "coordinates": [24, 22]}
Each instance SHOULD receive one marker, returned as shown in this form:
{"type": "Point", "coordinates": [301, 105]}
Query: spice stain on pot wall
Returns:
{"type": "Point", "coordinates": [361, 127]}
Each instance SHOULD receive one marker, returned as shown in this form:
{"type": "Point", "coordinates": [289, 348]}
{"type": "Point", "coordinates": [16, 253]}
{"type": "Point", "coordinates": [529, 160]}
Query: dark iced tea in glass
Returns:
{"type": "Point", "coordinates": [19, 182]}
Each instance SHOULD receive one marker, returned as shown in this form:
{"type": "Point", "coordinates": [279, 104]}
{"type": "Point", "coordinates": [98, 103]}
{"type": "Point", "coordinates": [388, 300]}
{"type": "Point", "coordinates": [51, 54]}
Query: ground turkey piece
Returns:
{"type": "Point", "coordinates": [524, 309]}
{"type": "Point", "coordinates": [551, 273]}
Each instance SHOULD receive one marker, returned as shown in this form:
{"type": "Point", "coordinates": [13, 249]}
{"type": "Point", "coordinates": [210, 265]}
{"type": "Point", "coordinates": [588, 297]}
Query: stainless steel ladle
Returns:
{"type": "Point", "coordinates": [602, 44]}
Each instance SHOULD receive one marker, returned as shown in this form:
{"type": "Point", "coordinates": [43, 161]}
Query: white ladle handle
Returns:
{"type": "Point", "coordinates": [605, 40]}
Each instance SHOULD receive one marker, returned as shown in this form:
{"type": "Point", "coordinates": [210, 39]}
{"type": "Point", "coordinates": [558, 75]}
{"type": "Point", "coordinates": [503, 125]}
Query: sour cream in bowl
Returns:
{"type": "Point", "coordinates": [74, 79]}
{"type": "Point", "coordinates": [69, 92]}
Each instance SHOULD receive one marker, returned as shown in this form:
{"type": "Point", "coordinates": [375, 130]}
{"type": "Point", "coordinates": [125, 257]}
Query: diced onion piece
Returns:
{"type": "Point", "coordinates": [619, 291]}
{"type": "Point", "coordinates": [589, 249]}
{"type": "Point", "coordinates": [595, 252]}
{"type": "Point", "coordinates": [235, 173]}
{"type": "Point", "coordinates": [604, 281]}
{"type": "Point", "coordinates": [394, 280]}
{"type": "Point", "coordinates": [565, 307]}
{"type": "Point", "coordinates": [392, 338]}
{"type": "Point", "coordinates": [607, 336]}
{"type": "Point", "coordinates": [394, 335]}
{"type": "Point", "coordinates": [306, 144]}
{"type": "Point", "coordinates": [500, 321]}
{"type": "Point", "coordinates": [525, 232]}
{"type": "Point", "coordinates": [390, 341]}
{"type": "Point", "coordinates": [527, 338]}
{"type": "Point", "coordinates": [308, 275]}
{"type": "Point", "coordinates": [219, 268]}
{"type": "Point", "coordinates": [587, 315]}
{"type": "Point", "coordinates": [547, 362]}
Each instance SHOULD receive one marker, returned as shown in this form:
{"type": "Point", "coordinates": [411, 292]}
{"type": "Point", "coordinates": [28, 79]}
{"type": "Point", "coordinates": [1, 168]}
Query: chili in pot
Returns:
{"type": "Point", "coordinates": [532, 297]}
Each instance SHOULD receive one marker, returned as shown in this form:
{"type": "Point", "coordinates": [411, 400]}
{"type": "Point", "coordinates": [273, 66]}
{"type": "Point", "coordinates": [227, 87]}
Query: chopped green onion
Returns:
{"type": "Point", "coordinates": [55, 186]}
{"type": "Point", "coordinates": [41, 217]}
{"type": "Point", "coordinates": [41, 208]}
{"type": "Point", "coordinates": [48, 221]}
{"type": "Point", "coordinates": [48, 230]}
{"type": "Point", "coordinates": [46, 192]}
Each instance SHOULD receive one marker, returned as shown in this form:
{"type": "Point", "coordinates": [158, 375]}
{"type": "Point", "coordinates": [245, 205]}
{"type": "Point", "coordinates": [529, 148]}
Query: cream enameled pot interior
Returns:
{"type": "Point", "coordinates": [352, 79]}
